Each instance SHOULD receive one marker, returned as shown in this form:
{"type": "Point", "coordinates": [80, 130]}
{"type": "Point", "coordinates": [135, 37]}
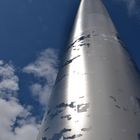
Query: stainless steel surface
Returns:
{"type": "Point", "coordinates": [97, 91]}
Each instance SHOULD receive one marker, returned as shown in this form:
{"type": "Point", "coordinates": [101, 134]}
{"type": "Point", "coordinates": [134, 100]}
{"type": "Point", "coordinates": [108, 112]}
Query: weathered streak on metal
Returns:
{"type": "Point", "coordinates": [97, 91]}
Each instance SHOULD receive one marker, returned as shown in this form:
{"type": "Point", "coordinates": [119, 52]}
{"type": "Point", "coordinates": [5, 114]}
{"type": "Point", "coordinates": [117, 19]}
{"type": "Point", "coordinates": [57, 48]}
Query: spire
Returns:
{"type": "Point", "coordinates": [97, 92]}
{"type": "Point", "coordinates": [92, 16]}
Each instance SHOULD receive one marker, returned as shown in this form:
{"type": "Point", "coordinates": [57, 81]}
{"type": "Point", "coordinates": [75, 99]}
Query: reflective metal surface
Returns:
{"type": "Point", "coordinates": [97, 91]}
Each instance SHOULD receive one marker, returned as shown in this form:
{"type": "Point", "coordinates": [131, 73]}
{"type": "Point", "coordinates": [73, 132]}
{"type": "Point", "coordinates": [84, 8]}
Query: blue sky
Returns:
{"type": "Point", "coordinates": [33, 34]}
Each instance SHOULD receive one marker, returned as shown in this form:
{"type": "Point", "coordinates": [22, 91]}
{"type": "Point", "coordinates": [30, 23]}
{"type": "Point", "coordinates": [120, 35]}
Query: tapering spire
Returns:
{"type": "Point", "coordinates": [92, 15]}
{"type": "Point", "coordinates": [97, 92]}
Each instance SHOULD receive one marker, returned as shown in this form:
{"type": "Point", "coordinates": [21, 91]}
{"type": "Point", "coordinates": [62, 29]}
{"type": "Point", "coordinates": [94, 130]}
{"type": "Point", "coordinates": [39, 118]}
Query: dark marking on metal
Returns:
{"type": "Point", "coordinates": [82, 44]}
{"type": "Point", "coordinates": [70, 137]}
{"type": "Point", "coordinates": [46, 129]}
{"type": "Point", "coordinates": [73, 136]}
{"type": "Point", "coordinates": [88, 45]}
{"type": "Point", "coordinates": [72, 105]}
{"type": "Point", "coordinates": [82, 97]}
{"type": "Point", "coordinates": [86, 129]}
{"type": "Point", "coordinates": [72, 43]}
{"type": "Point", "coordinates": [78, 40]}
{"type": "Point", "coordinates": [113, 98]}
{"type": "Point", "coordinates": [117, 106]}
{"type": "Point", "coordinates": [70, 61]}
{"type": "Point", "coordinates": [88, 36]}
{"type": "Point", "coordinates": [63, 105]}
{"type": "Point", "coordinates": [85, 44]}
{"type": "Point", "coordinates": [83, 107]}
{"type": "Point", "coordinates": [125, 109]}
{"type": "Point", "coordinates": [68, 117]}
{"type": "Point", "coordinates": [84, 37]}
{"type": "Point", "coordinates": [49, 111]}
{"type": "Point", "coordinates": [135, 113]}
{"type": "Point", "coordinates": [120, 40]}
{"type": "Point", "coordinates": [60, 78]}
{"type": "Point", "coordinates": [138, 101]}
{"type": "Point", "coordinates": [66, 130]}
{"type": "Point", "coordinates": [79, 135]}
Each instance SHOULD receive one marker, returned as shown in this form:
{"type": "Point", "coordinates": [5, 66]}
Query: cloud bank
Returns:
{"type": "Point", "coordinates": [16, 121]}
{"type": "Point", "coordinates": [43, 68]}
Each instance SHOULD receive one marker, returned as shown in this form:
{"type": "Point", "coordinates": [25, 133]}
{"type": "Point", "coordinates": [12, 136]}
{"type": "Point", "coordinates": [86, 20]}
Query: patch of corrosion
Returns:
{"type": "Point", "coordinates": [63, 105]}
{"type": "Point", "coordinates": [73, 136]}
{"type": "Point", "coordinates": [88, 45]}
{"type": "Point", "coordinates": [70, 137]}
{"type": "Point", "coordinates": [58, 136]}
{"type": "Point", "coordinates": [46, 129]}
{"type": "Point", "coordinates": [86, 129]}
{"type": "Point", "coordinates": [49, 111]}
{"type": "Point", "coordinates": [113, 98]}
{"type": "Point", "coordinates": [83, 37]}
{"type": "Point", "coordinates": [60, 78]}
{"type": "Point", "coordinates": [83, 107]}
{"type": "Point", "coordinates": [68, 117]}
{"type": "Point", "coordinates": [117, 106]}
{"type": "Point", "coordinates": [85, 44]}
{"type": "Point", "coordinates": [81, 97]}
{"type": "Point", "coordinates": [70, 61]}
{"type": "Point", "coordinates": [125, 109]}
{"type": "Point", "coordinates": [120, 40]}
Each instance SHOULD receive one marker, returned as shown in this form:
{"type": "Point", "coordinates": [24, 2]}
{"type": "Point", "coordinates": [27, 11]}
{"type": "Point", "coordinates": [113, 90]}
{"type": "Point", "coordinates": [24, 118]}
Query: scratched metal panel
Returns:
{"type": "Point", "coordinates": [97, 91]}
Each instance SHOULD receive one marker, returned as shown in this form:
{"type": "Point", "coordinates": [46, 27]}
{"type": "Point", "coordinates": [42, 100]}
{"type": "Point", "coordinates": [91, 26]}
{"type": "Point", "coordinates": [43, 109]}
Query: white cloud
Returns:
{"type": "Point", "coordinates": [10, 110]}
{"type": "Point", "coordinates": [41, 92]}
{"type": "Point", "coordinates": [8, 80]}
{"type": "Point", "coordinates": [26, 132]}
{"type": "Point", "coordinates": [45, 67]}
{"type": "Point", "coordinates": [11, 127]}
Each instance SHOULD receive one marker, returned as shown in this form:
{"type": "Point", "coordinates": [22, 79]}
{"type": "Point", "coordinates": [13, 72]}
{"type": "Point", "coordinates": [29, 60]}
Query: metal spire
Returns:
{"type": "Point", "coordinates": [97, 92]}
